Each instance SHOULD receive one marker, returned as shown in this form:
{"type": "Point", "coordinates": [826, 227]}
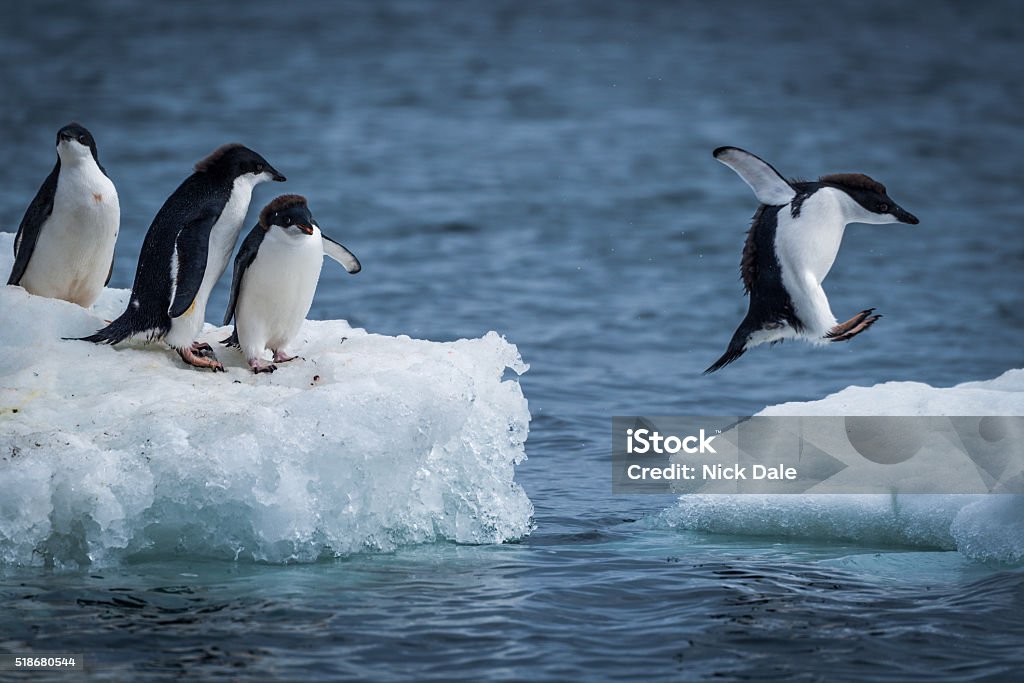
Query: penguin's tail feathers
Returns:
{"type": "Point", "coordinates": [732, 353]}
{"type": "Point", "coordinates": [128, 324]}
{"type": "Point", "coordinates": [232, 341]}
{"type": "Point", "coordinates": [737, 347]}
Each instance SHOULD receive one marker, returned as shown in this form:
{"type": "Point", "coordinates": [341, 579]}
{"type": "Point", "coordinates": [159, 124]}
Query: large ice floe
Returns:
{"type": "Point", "coordinates": [368, 444]}
{"type": "Point", "coordinates": [988, 528]}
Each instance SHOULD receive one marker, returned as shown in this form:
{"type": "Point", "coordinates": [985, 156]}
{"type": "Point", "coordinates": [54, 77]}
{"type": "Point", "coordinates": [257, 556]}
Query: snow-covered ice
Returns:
{"type": "Point", "coordinates": [114, 452]}
{"type": "Point", "coordinates": [986, 528]}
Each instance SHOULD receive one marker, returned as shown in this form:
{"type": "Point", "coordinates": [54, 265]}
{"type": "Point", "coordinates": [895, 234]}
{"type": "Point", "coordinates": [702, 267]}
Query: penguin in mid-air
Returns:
{"type": "Point", "coordinates": [186, 251]}
{"type": "Point", "coordinates": [65, 243]}
{"type": "Point", "coordinates": [276, 272]}
{"type": "Point", "coordinates": [790, 248]}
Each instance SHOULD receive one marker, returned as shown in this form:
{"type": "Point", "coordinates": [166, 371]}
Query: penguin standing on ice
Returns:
{"type": "Point", "coordinates": [186, 251]}
{"type": "Point", "coordinates": [276, 272]}
{"type": "Point", "coordinates": [65, 243]}
{"type": "Point", "coordinates": [791, 247]}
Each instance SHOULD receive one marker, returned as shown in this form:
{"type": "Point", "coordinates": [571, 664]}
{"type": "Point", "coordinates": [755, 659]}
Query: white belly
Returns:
{"type": "Point", "coordinates": [277, 291]}
{"type": "Point", "coordinates": [806, 247]}
{"type": "Point", "coordinates": [811, 242]}
{"type": "Point", "coordinates": [185, 329]}
{"type": "Point", "coordinates": [75, 247]}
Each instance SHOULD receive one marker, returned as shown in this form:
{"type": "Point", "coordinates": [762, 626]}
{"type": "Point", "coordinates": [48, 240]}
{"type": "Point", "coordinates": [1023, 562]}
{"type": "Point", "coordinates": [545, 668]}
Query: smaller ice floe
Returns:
{"type": "Point", "coordinates": [986, 528]}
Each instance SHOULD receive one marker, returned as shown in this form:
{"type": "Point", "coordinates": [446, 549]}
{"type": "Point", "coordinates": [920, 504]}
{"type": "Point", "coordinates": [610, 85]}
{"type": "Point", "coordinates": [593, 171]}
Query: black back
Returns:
{"type": "Point", "coordinates": [769, 300]}
{"type": "Point", "coordinates": [762, 278]}
{"type": "Point", "coordinates": [200, 196]}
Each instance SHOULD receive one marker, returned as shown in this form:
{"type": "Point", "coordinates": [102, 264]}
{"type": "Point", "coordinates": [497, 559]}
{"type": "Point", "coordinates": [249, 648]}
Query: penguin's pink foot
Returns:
{"type": "Point", "coordinates": [259, 366]}
{"type": "Point", "coordinates": [200, 361]}
{"type": "Point", "coordinates": [282, 357]}
{"type": "Point", "coordinates": [852, 327]}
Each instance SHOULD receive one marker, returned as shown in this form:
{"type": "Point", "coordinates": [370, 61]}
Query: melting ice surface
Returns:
{"type": "Point", "coordinates": [981, 527]}
{"type": "Point", "coordinates": [369, 444]}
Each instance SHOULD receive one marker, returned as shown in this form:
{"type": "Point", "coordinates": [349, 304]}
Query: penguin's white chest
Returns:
{"type": "Point", "coordinates": [810, 242]}
{"type": "Point", "coordinates": [225, 232]}
{"type": "Point", "coordinates": [277, 291]}
{"type": "Point", "coordinates": [75, 247]}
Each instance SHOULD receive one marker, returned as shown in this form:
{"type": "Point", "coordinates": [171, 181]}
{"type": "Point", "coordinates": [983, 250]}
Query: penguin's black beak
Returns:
{"type": "Point", "coordinates": [277, 176]}
{"type": "Point", "coordinates": [64, 136]}
{"type": "Point", "coordinates": [308, 229]}
{"type": "Point", "coordinates": [904, 216]}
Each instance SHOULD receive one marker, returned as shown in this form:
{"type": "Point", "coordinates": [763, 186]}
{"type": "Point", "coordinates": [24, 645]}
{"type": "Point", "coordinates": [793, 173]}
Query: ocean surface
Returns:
{"type": "Point", "coordinates": [544, 170]}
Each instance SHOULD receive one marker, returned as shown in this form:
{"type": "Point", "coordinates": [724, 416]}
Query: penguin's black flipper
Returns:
{"type": "Point", "coordinates": [246, 255]}
{"type": "Point", "coordinates": [191, 249]}
{"type": "Point", "coordinates": [31, 224]}
{"type": "Point", "coordinates": [342, 255]}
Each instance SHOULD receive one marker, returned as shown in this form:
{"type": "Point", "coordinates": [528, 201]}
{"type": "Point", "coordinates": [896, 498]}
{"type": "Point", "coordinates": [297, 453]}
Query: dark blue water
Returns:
{"type": "Point", "coordinates": [545, 170]}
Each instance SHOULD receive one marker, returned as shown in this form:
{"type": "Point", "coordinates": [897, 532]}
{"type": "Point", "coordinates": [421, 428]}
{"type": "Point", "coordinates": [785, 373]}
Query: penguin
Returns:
{"type": "Point", "coordinates": [275, 276]}
{"type": "Point", "coordinates": [64, 248]}
{"type": "Point", "coordinates": [790, 248]}
{"type": "Point", "coordinates": [186, 251]}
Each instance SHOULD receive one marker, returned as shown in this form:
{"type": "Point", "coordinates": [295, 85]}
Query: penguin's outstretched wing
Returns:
{"type": "Point", "coordinates": [31, 225]}
{"type": "Point", "coordinates": [246, 255]}
{"type": "Point", "coordinates": [191, 249]}
{"type": "Point", "coordinates": [342, 255]}
{"type": "Point", "coordinates": [768, 185]}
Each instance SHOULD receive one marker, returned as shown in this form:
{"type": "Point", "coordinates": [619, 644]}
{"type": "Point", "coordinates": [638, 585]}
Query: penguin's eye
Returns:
{"type": "Point", "coordinates": [81, 138]}
{"type": "Point", "coordinates": [287, 221]}
{"type": "Point", "coordinates": [882, 208]}
{"type": "Point", "coordinates": [259, 168]}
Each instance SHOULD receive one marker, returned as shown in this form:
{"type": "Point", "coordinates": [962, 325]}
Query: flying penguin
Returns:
{"type": "Point", "coordinates": [276, 272]}
{"type": "Point", "coordinates": [790, 248]}
{"type": "Point", "coordinates": [186, 251]}
{"type": "Point", "coordinates": [65, 243]}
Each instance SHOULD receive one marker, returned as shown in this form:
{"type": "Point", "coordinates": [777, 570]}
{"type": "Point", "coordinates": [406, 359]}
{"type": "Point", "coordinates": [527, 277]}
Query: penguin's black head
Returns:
{"type": "Point", "coordinates": [871, 196]}
{"type": "Point", "coordinates": [288, 212]}
{"type": "Point", "coordinates": [75, 134]}
{"type": "Point", "coordinates": [235, 161]}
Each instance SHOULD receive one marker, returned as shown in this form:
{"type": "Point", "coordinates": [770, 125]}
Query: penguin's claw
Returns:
{"type": "Point", "coordinates": [259, 366]}
{"type": "Point", "coordinates": [282, 357]}
{"type": "Point", "coordinates": [203, 349]}
{"type": "Point", "coordinates": [202, 360]}
{"type": "Point", "coordinates": [865, 321]}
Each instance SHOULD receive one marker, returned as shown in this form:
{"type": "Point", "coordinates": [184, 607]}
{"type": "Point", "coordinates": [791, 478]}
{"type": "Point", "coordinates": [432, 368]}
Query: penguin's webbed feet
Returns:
{"type": "Point", "coordinates": [204, 359]}
{"type": "Point", "coordinates": [852, 327]}
{"type": "Point", "coordinates": [258, 365]}
{"type": "Point", "coordinates": [282, 357]}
